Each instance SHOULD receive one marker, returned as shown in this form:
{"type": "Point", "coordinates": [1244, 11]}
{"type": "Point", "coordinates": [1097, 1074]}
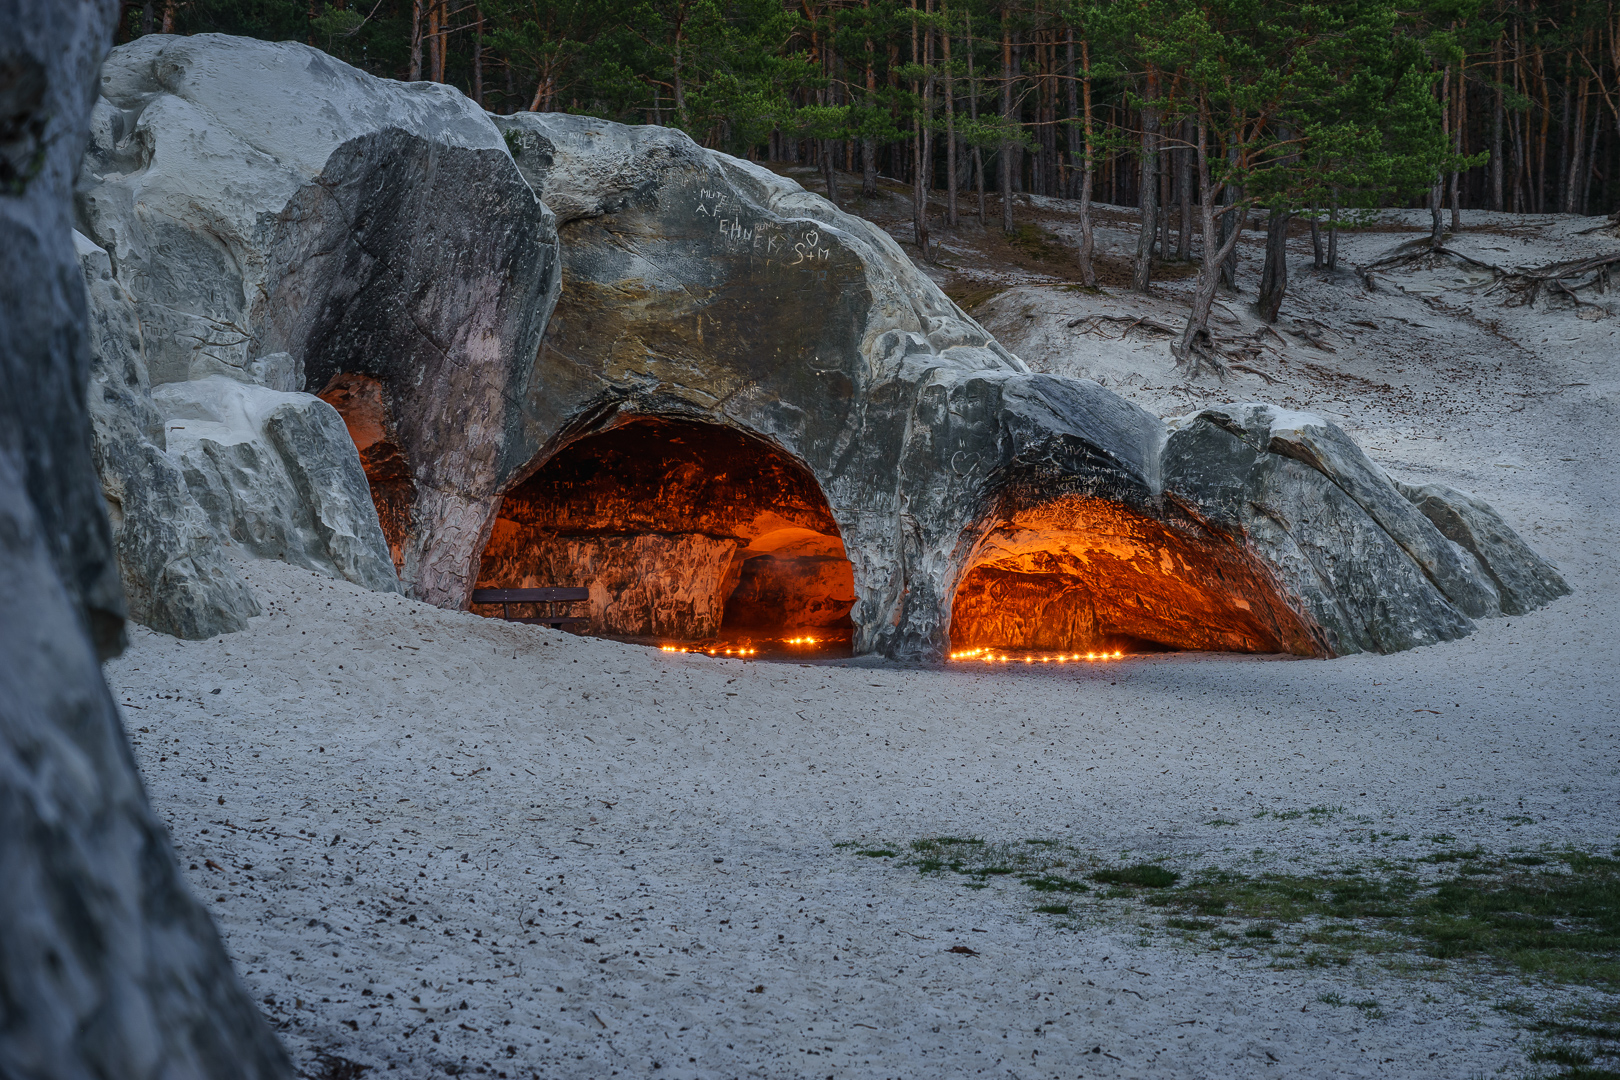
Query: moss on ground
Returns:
{"type": "Point", "coordinates": [1553, 917]}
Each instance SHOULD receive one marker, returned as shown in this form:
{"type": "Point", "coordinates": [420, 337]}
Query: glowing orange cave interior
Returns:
{"type": "Point", "coordinates": [694, 535]}
{"type": "Point", "coordinates": [684, 533]}
{"type": "Point", "coordinates": [363, 403]}
{"type": "Point", "coordinates": [1081, 575]}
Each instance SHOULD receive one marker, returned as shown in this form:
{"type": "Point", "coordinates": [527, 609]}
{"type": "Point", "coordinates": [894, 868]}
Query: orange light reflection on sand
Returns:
{"type": "Point", "coordinates": [990, 657]}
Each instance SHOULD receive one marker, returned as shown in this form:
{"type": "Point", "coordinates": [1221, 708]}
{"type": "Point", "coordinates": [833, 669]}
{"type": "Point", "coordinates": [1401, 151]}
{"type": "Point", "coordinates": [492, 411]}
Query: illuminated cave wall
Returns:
{"type": "Point", "coordinates": [681, 531]}
{"type": "Point", "coordinates": [1079, 574]}
{"type": "Point", "coordinates": [363, 403]}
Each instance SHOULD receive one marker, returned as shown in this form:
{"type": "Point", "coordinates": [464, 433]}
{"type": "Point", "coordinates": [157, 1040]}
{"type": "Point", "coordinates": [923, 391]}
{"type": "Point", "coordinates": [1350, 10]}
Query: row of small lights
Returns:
{"type": "Point", "coordinates": [990, 658]}
{"type": "Point", "coordinates": [738, 650]}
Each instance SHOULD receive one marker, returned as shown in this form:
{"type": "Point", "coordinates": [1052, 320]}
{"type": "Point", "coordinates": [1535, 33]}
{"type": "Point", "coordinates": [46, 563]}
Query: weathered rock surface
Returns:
{"type": "Point", "coordinates": [1378, 566]}
{"type": "Point", "coordinates": [1523, 579]}
{"type": "Point", "coordinates": [1349, 575]}
{"type": "Point", "coordinates": [107, 966]}
{"type": "Point", "coordinates": [276, 473]}
{"type": "Point", "coordinates": [175, 574]}
{"type": "Point", "coordinates": [730, 358]}
{"type": "Point", "coordinates": [384, 233]}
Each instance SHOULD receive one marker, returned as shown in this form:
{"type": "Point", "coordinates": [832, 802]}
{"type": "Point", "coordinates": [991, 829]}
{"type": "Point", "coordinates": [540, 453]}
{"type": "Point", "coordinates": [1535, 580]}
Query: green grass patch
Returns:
{"type": "Point", "coordinates": [1143, 875]}
{"type": "Point", "coordinates": [1551, 916]}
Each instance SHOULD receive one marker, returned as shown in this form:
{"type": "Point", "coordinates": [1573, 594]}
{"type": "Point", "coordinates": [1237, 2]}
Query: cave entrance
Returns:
{"type": "Point", "coordinates": [363, 403]}
{"type": "Point", "coordinates": [687, 534]}
{"type": "Point", "coordinates": [1083, 577]}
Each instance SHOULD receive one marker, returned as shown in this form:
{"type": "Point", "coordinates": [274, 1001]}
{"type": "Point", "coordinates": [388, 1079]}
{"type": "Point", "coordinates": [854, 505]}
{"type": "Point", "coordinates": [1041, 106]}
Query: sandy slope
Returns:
{"type": "Point", "coordinates": [439, 843]}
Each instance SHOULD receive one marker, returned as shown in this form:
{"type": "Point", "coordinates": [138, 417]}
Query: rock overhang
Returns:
{"type": "Point", "coordinates": [610, 275]}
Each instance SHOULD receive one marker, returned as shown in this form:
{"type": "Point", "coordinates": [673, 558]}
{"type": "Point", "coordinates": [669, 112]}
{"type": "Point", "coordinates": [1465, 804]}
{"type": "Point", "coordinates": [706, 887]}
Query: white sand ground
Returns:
{"type": "Point", "coordinates": [438, 844]}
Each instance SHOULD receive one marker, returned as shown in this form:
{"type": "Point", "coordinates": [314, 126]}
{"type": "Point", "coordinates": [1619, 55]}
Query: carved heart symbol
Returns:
{"type": "Point", "coordinates": [964, 463]}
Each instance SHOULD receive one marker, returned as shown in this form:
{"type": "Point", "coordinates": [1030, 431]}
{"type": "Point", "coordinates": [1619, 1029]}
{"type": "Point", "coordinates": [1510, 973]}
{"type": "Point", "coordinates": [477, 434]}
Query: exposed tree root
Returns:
{"type": "Point", "coordinates": [1311, 334]}
{"type": "Point", "coordinates": [1559, 279]}
{"type": "Point", "coordinates": [1093, 323]}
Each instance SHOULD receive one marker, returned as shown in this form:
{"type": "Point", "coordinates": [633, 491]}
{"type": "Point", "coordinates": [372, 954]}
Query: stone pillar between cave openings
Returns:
{"type": "Point", "coordinates": [445, 545]}
{"type": "Point", "coordinates": [912, 617]}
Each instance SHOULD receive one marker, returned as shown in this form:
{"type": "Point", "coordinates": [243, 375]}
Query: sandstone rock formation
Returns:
{"type": "Point", "coordinates": [175, 574]}
{"type": "Point", "coordinates": [384, 234]}
{"type": "Point", "coordinates": [979, 505]}
{"type": "Point", "coordinates": [748, 410]}
{"type": "Point", "coordinates": [277, 474]}
{"type": "Point", "coordinates": [107, 966]}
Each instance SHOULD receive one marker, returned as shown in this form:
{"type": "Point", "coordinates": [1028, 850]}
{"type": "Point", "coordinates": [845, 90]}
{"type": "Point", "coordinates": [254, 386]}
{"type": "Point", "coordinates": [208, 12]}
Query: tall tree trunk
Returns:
{"type": "Point", "coordinates": [1460, 121]}
{"type": "Point", "coordinates": [1088, 234]}
{"type": "Point", "coordinates": [435, 59]}
{"type": "Point", "coordinates": [1274, 275]}
{"type": "Point", "coordinates": [922, 161]}
{"type": "Point", "coordinates": [1184, 182]}
{"type": "Point", "coordinates": [973, 115]}
{"type": "Point", "coordinates": [1498, 104]}
{"type": "Point", "coordinates": [1333, 233]}
{"type": "Point", "coordinates": [869, 172]}
{"type": "Point", "coordinates": [1318, 256]}
{"type": "Point", "coordinates": [1005, 156]}
{"type": "Point", "coordinates": [478, 57]}
{"type": "Point", "coordinates": [1539, 184]}
{"type": "Point", "coordinates": [1591, 160]}
{"type": "Point", "coordinates": [1230, 224]}
{"type": "Point", "coordinates": [147, 18]}
{"type": "Point", "coordinates": [1577, 139]}
{"type": "Point", "coordinates": [1437, 187]}
{"type": "Point", "coordinates": [1071, 136]}
{"type": "Point", "coordinates": [950, 130]}
{"type": "Point", "coordinates": [826, 154]}
{"type": "Point", "coordinates": [1196, 350]}
{"type": "Point", "coordinates": [416, 41]}
{"type": "Point", "coordinates": [1561, 198]}
{"type": "Point", "coordinates": [680, 84]}
{"type": "Point", "coordinates": [1148, 193]}
{"type": "Point", "coordinates": [1167, 171]}
{"type": "Point", "coordinates": [1437, 202]}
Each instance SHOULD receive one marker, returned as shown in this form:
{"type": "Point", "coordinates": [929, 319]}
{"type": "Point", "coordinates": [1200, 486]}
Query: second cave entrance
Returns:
{"type": "Point", "coordinates": [1079, 575]}
{"type": "Point", "coordinates": [684, 532]}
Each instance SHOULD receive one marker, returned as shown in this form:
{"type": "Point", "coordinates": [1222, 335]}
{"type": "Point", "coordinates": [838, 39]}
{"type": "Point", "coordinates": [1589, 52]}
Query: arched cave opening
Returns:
{"type": "Point", "coordinates": [363, 403]}
{"type": "Point", "coordinates": [1082, 575]}
{"type": "Point", "coordinates": [684, 533]}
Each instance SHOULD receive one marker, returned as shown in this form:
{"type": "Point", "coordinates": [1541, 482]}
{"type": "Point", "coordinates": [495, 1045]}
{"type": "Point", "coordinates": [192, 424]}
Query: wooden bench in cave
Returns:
{"type": "Point", "coordinates": [549, 597]}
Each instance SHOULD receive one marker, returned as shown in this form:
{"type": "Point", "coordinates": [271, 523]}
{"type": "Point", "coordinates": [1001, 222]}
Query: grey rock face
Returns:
{"type": "Point", "coordinates": [51, 61]}
{"type": "Point", "coordinates": [1524, 580]}
{"type": "Point", "coordinates": [276, 473]}
{"type": "Point", "coordinates": [1351, 577]}
{"type": "Point", "coordinates": [1331, 452]}
{"type": "Point", "coordinates": [384, 234]}
{"type": "Point", "coordinates": [175, 574]}
{"type": "Point", "coordinates": [107, 966]}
